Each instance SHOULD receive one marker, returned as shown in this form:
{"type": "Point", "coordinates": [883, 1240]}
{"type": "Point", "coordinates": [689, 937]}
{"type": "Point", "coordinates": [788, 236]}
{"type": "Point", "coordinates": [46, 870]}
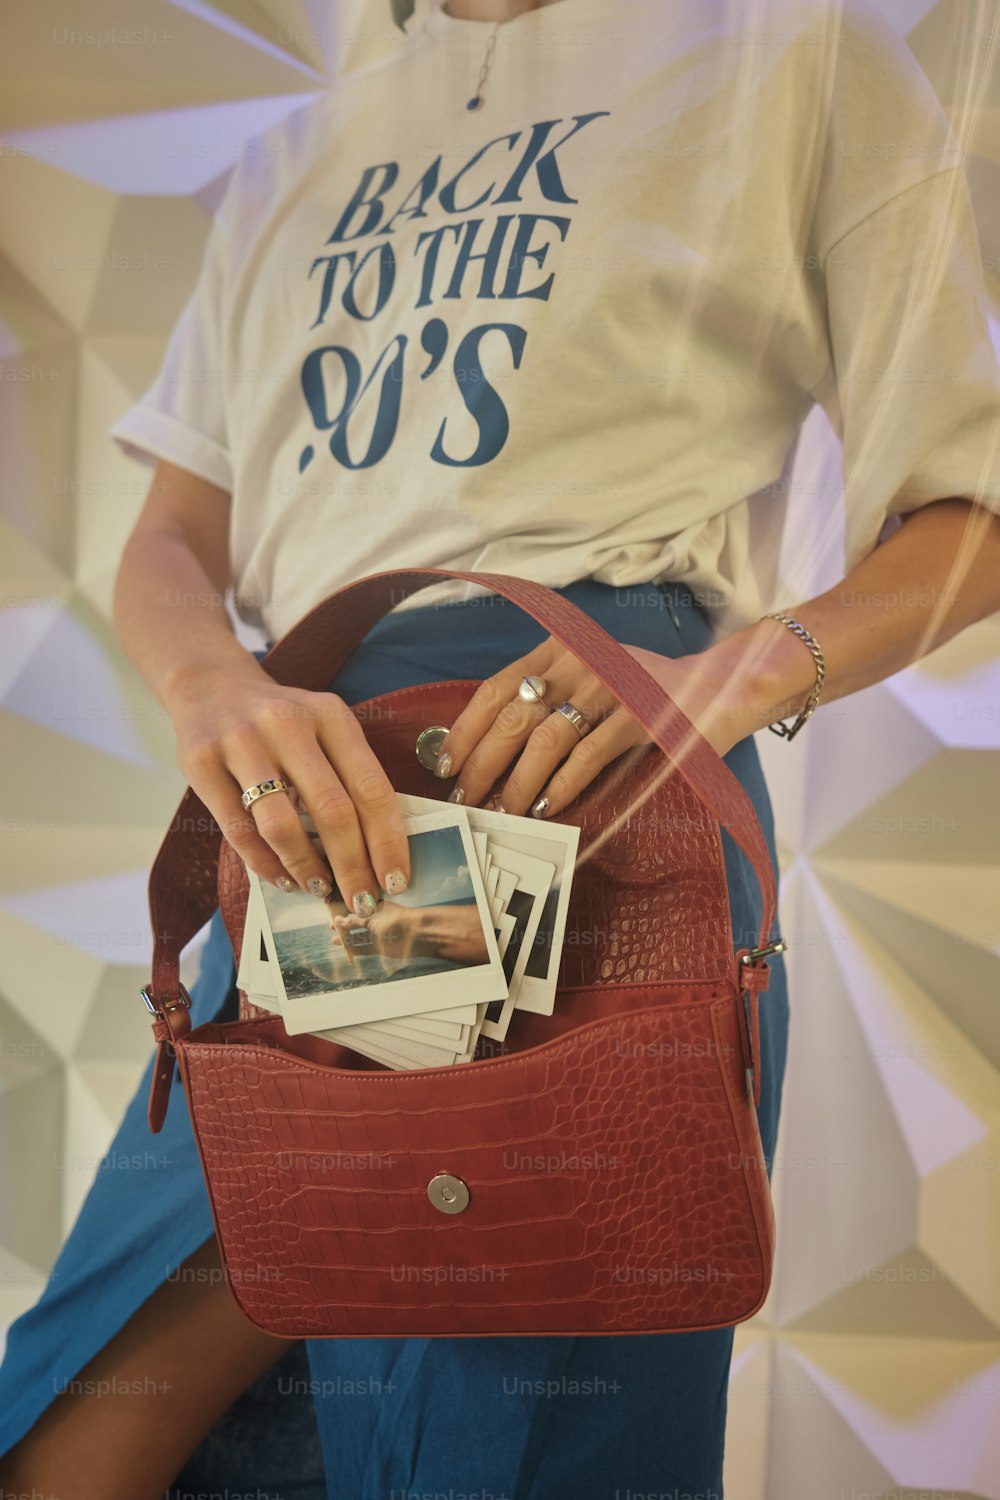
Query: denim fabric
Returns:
{"type": "Point", "coordinates": [520, 1418]}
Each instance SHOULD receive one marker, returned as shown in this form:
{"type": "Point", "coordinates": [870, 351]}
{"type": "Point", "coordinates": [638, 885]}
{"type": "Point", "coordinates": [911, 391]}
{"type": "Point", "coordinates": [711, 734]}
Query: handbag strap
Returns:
{"type": "Point", "coordinates": [183, 882]}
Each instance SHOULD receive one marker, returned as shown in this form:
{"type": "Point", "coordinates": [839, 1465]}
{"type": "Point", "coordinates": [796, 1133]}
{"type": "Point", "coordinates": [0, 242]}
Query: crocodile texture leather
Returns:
{"type": "Point", "coordinates": [616, 1176]}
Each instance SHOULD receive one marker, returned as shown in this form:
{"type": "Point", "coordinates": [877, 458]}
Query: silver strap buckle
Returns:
{"type": "Point", "coordinates": [183, 1002]}
{"type": "Point", "coordinates": [753, 954]}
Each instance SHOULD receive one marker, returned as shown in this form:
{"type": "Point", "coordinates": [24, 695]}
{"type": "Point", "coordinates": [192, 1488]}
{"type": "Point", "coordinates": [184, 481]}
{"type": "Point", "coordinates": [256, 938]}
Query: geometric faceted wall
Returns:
{"type": "Point", "coordinates": [874, 1369]}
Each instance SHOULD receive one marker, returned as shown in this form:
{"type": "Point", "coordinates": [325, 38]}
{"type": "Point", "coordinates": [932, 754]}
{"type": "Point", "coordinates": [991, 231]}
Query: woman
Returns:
{"type": "Point", "coordinates": [549, 291]}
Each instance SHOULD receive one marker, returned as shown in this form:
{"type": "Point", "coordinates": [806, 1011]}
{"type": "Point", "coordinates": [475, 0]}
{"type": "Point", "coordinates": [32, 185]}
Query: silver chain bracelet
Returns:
{"type": "Point", "coordinates": [817, 655]}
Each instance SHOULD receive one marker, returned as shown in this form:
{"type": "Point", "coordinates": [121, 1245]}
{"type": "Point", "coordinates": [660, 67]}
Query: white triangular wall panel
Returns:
{"type": "Point", "coordinates": [951, 952]}
{"type": "Point", "coordinates": [945, 810]}
{"type": "Point", "coordinates": [848, 1169]}
{"type": "Point", "coordinates": [915, 1056]}
{"type": "Point", "coordinates": [31, 1219]}
{"type": "Point", "coordinates": [48, 984]}
{"type": "Point", "coordinates": [23, 629]}
{"type": "Point", "coordinates": [813, 1451]}
{"type": "Point", "coordinates": [95, 1103]}
{"type": "Point", "coordinates": [155, 56]}
{"type": "Point", "coordinates": [70, 687]}
{"type": "Point", "coordinates": [953, 690]}
{"type": "Point", "coordinates": [750, 1403]}
{"type": "Point", "coordinates": [920, 1427]}
{"type": "Point", "coordinates": [105, 919]}
{"type": "Point", "coordinates": [180, 150]}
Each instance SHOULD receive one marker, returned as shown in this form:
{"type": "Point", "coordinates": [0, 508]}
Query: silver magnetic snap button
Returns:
{"type": "Point", "coordinates": [448, 1194]}
{"type": "Point", "coordinates": [429, 743]}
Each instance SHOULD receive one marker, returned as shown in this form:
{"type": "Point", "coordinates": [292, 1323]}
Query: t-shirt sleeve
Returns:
{"type": "Point", "coordinates": [912, 387]}
{"type": "Point", "coordinates": [182, 415]}
{"type": "Point", "coordinates": [916, 402]}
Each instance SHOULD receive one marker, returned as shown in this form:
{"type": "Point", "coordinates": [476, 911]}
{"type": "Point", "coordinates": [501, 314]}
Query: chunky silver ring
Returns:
{"type": "Point", "coordinates": [532, 689]}
{"type": "Point", "coordinates": [263, 789]}
{"type": "Point", "coordinates": [576, 718]}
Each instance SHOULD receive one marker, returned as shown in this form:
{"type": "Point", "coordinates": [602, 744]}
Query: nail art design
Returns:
{"type": "Point", "coordinates": [319, 887]}
{"type": "Point", "coordinates": [444, 765]}
{"type": "Point", "coordinates": [458, 795]}
{"type": "Point", "coordinates": [364, 904]}
{"type": "Point", "coordinates": [284, 883]}
{"type": "Point", "coordinates": [538, 811]}
{"type": "Point", "coordinates": [394, 882]}
{"type": "Point", "coordinates": [499, 807]}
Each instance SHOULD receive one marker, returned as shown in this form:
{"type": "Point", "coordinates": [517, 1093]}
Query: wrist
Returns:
{"type": "Point", "coordinates": [772, 669]}
{"type": "Point", "coordinates": [195, 677]}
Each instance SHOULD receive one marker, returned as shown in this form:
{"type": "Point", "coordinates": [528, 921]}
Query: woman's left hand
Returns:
{"type": "Point", "coordinates": [549, 762]}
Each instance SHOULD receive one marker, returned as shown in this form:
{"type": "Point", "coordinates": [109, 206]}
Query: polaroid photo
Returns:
{"type": "Point", "coordinates": [433, 944]}
{"type": "Point", "coordinates": [261, 980]}
{"type": "Point", "coordinates": [443, 1044]}
{"type": "Point", "coordinates": [452, 1025]}
{"type": "Point", "coordinates": [532, 877]}
{"type": "Point", "coordinates": [402, 1032]}
{"type": "Point", "coordinates": [451, 1021]}
{"type": "Point", "coordinates": [490, 881]}
{"type": "Point", "coordinates": [553, 841]}
{"type": "Point", "coordinates": [251, 935]}
{"type": "Point", "coordinates": [537, 979]}
{"type": "Point", "coordinates": [506, 881]}
{"type": "Point", "coordinates": [421, 1056]}
{"type": "Point", "coordinates": [473, 1042]}
{"type": "Point", "coordinates": [409, 1028]}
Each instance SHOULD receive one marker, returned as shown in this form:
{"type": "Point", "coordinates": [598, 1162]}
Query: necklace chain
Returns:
{"type": "Point", "coordinates": [478, 98]}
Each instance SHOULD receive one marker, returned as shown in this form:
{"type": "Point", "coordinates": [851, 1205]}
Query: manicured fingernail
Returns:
{"type": "Point", "coordinates": [394, 882]}
{"type": "Point", "coordinates": [284, 883]}
{"type": "Point", "coordinates": [458, 795]}
{"type": "Point", "coordinates": [538, 811]}
{"type": "Point", "coordinates": [319, 887]}
{"type": "Point", "coordinates": [499, 807]}
{"type": "Point", "coordinates": [444, 765]}
{"type": "Point", "coordinates": [364, 904]}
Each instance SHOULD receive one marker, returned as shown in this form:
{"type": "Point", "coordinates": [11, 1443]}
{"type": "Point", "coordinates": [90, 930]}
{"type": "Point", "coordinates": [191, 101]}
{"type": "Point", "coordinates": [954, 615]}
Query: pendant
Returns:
{"type": "Point", "coordinates": [475, 102]}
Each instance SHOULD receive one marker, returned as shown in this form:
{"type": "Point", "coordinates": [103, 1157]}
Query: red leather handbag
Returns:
{"type": "Point", "coordinates": [604, 1175]}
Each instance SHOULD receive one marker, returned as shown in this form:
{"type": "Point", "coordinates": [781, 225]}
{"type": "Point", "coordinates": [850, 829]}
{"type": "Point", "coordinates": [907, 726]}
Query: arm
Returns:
{"type": "Point", "coordinates": [941, 566]}
{"type": "Point", "coordinates": [235, 725]}
{"type": "Point", "coordinates": [169, 598]}
{"type": "Point", "coordinates": [937, 574]}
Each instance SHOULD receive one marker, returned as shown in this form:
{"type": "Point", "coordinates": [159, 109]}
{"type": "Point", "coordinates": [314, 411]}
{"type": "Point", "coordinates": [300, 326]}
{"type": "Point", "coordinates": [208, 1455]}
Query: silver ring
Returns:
{"type": "Point", "coordinates": [263, 789]}
{"type": "Point", "coordinates": [532, 690]}
{"type": "Point", "coordinates": [576, 718]}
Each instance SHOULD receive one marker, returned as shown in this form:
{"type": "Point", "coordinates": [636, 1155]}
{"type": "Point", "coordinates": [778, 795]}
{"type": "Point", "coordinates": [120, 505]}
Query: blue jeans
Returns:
{"type": "Point", "coordinates": [522, 1418]}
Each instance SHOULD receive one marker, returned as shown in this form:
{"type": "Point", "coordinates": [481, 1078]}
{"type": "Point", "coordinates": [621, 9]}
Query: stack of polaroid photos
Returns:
{"type": "Point", "coordinates": [476, 935]}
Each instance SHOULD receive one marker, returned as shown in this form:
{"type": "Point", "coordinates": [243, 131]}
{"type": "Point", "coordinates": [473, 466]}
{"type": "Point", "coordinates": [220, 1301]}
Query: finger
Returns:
{"type": "Point", "coordinates": [279, 825]}
{"type": "Point", "coordinates": [501, 744]}
{"type": "Point", "coordinates": [616, 734]}
{"type": "Point", "coordinates": [544, 736]}
{"type": "Point", "coordinates": [547, 747]}
{"type": "Point", "coordinates": [206, 771]}
{"type": "Point", "coordinates": [331, 806]}
{"type": "Point", "coordinates": [383, 831]}
{"type": "Point", "coordinates": [248, 758]}
{"type": "Point", "coordinates": [490, 698]}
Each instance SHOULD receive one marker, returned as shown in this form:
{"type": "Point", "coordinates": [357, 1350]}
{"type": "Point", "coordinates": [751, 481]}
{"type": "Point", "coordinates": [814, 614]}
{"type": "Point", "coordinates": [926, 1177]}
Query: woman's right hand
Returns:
{"type": "Point", "coordinates": [236, 728]}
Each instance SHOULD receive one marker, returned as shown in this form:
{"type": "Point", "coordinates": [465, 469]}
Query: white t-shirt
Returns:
{"type": "Point", "coordinates": [569, 334]}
